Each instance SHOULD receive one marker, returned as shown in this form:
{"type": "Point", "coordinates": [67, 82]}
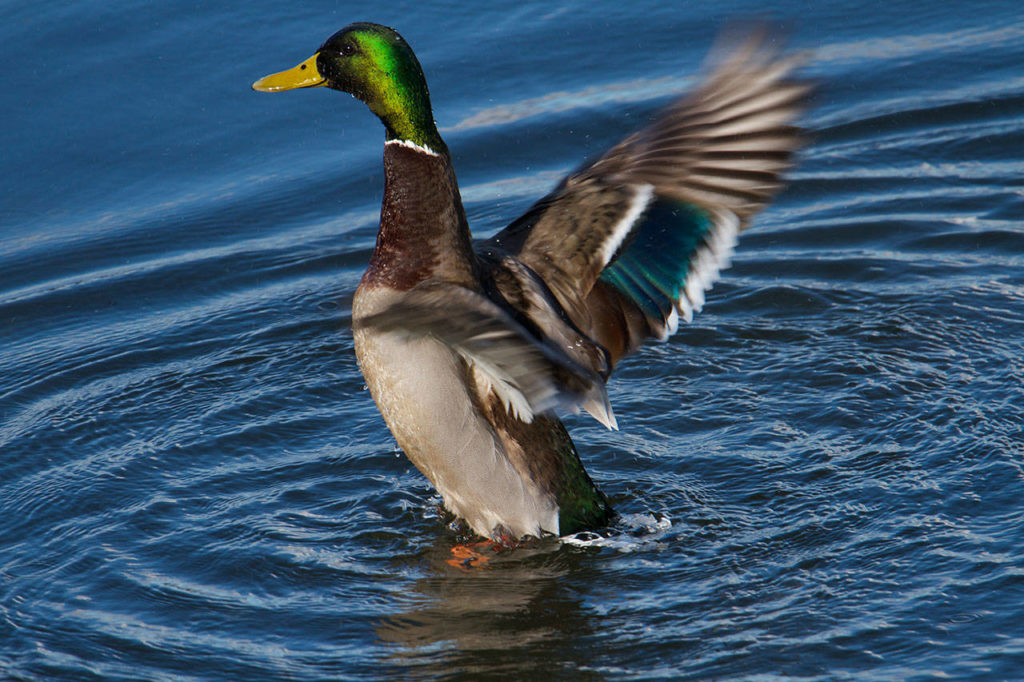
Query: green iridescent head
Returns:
{"type": "Point", "coordinates": [376, 65]}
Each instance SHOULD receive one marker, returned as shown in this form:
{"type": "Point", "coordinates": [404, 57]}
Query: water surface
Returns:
{"type": "Point", "coordinates": [821, 477]}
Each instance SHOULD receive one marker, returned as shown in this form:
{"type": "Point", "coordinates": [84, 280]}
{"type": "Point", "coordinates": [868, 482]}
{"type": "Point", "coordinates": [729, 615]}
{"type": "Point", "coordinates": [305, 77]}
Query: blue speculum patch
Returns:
{"type": "Point", "coordinates": [652, 268]}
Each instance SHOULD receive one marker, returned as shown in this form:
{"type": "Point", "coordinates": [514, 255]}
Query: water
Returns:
{"type": "Point", "coordinates": [821, 477]}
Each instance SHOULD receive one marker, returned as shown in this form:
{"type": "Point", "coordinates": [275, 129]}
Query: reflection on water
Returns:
{"type": "Point", "coordinates": [505, 613]}
{"type": "Point", "coordinates": [500, 616]}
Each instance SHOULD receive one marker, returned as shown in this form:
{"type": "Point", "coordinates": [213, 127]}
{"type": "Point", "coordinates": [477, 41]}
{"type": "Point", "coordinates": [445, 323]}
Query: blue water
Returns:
{"type": "Point", "coordinates": [821, 477]}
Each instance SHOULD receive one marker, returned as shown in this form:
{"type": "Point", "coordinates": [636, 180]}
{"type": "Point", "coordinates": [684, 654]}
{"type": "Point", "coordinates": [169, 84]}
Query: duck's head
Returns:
{"type": "Point", "coordinates": [376, 65]}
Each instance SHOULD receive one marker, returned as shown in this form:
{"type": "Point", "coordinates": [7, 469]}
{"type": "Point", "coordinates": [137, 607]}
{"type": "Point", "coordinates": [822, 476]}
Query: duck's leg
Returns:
{"type": "Point", "coordinates": [473, 554]}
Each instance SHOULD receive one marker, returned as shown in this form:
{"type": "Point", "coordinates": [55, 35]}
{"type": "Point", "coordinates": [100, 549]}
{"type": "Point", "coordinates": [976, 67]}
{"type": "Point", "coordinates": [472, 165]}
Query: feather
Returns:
{"type": "Point", "coordinates": [529, 375]}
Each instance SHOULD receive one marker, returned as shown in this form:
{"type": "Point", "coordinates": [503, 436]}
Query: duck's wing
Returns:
{"type": "Point", "coordinates": [631, 242]}
{"type": "Point", "coordinates": [531, 371]}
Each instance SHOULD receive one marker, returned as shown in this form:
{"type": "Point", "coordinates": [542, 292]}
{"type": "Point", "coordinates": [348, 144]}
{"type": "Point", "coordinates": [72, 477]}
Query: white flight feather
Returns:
{"type": "Point", "coordinates": [641, 199]}
{"type": "Point", "coordinates": [707, 263]}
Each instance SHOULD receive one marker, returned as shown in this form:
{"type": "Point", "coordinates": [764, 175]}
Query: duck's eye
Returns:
{"type": "Point", "coordinates": [348, 49]}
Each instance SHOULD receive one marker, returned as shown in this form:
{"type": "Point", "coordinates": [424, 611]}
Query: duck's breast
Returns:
{"type": "Point", "coordinates": [425, 393]}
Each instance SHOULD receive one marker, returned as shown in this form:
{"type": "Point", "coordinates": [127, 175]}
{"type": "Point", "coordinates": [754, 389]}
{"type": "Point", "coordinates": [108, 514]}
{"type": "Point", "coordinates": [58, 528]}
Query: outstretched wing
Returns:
{"type": "Point", "coordinates": [631, 242]}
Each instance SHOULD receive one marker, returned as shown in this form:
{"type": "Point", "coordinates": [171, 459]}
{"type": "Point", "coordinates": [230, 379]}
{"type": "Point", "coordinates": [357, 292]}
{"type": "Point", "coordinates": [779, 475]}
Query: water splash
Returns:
{"type": "Point", "coordinates": [629, 533]}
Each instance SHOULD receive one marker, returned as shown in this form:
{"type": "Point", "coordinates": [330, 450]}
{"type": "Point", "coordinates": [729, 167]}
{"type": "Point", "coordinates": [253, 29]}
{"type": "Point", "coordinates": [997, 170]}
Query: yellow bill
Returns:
{"type": "Point", "coordinates": [304, 75]}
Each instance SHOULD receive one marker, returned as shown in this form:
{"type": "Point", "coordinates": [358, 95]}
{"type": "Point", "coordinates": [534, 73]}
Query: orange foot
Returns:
{"type": "Point", "coordinates": [467, 556]}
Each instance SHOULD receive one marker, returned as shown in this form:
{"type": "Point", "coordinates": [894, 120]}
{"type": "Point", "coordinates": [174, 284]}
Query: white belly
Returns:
{"type": "Point", "coordinates": [420, 387]}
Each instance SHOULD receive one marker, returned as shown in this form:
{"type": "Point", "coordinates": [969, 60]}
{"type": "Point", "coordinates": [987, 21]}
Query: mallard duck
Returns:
{"type": "Point", "coordinates": [470, 350]}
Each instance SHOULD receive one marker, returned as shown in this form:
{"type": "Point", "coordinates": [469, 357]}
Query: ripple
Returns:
{"type": "Point", "coordinates": [820, 477]}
